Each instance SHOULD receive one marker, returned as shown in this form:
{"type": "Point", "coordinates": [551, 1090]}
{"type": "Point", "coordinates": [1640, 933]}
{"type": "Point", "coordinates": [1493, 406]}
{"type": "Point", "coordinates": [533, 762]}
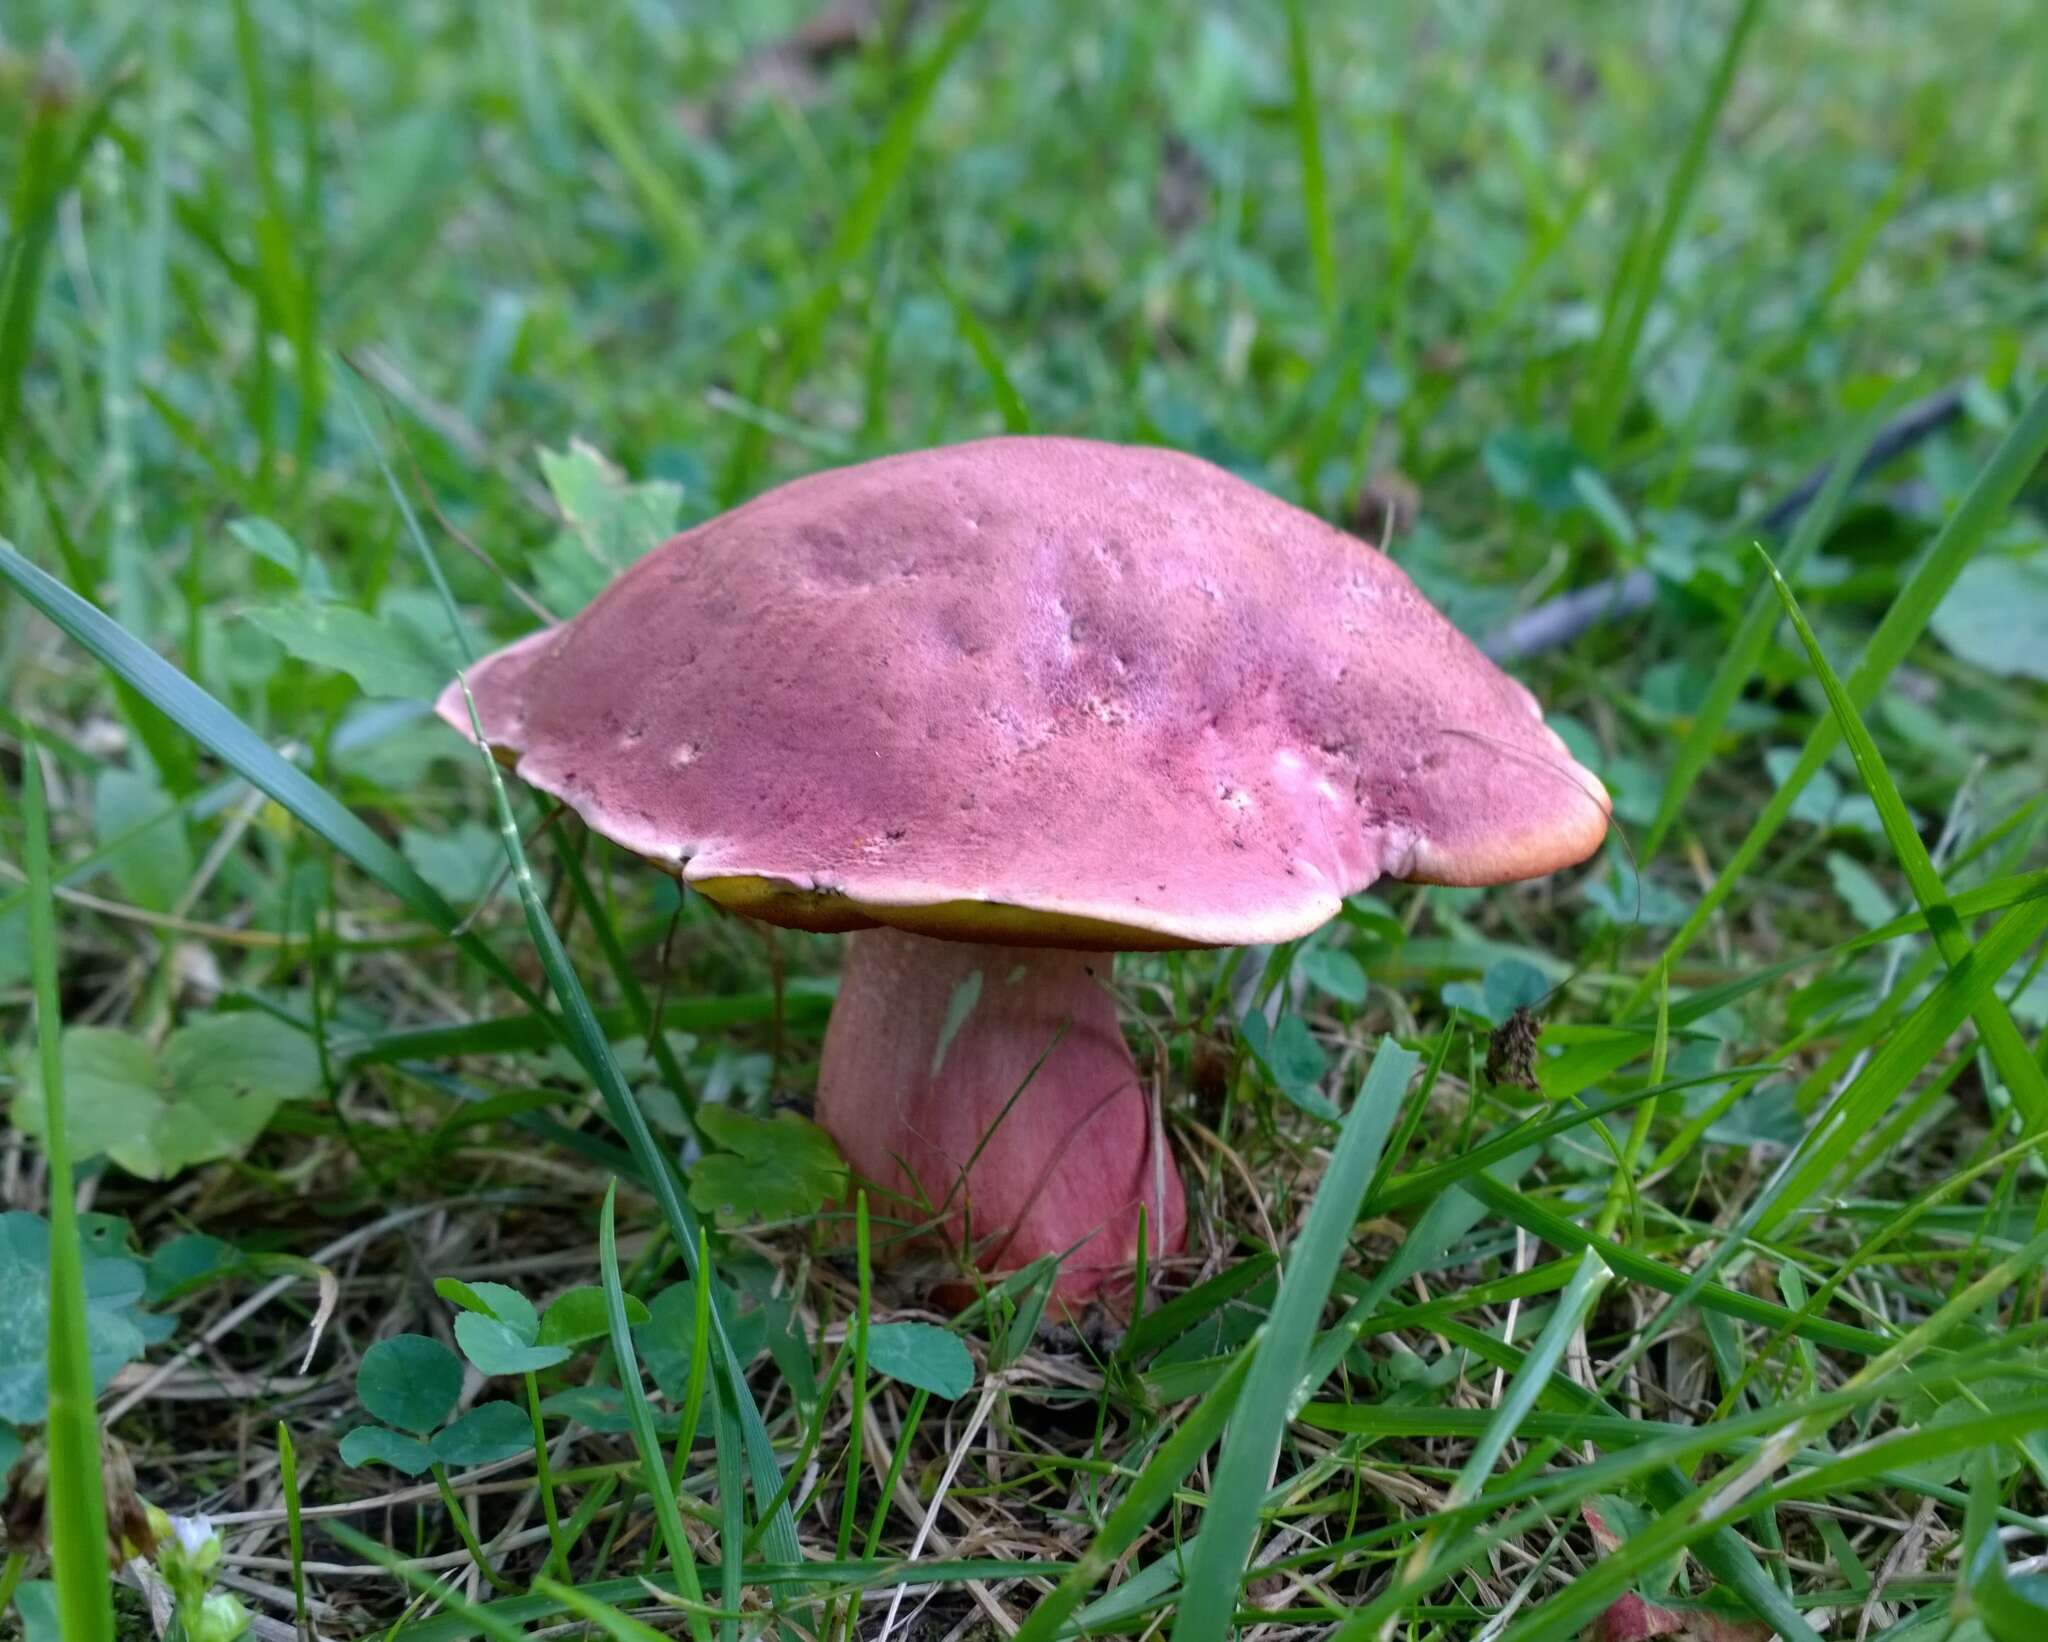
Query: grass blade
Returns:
{"type": "Point", "coordinates": [77, 1507]}
{"type": "Point", "coordinates": [1016, 419]}
{"type": "Point", "coordinates": [474, 1618]}
{"type": "Point", "coordinates": [1280, 1354]}
{"type": "Point", "coordinates": [1578, 1298]}
{"type": "Point", "coordinates": [1686, 1519]}
{"type": "Point", "coordinates": [1315, 198]}
{"type": "Point", "coordinates": [671, 216]}
{"type": "Point", "coordinates": [1999, 895]}
{"type": "Point", "coordinates": [1693, 1289]}
{"type": "Point", "coordinates": [1902, 1057]}
{"type": "Point", "coordinates": [1519, 1401]}
{"type": "Point", "coordinates": [682, 1563]}
{"type": "Point", "coordinates": [586, 1039]}
{"type": "Point", "coordinates": [857, 1395]}
{"type": "Point", "coordinates": [214, 727]}
{"type": "Point", "coordinates": [618, 1626]}
{"type": "Point", "coordinates": [891, 155]}
{"type": "Point", "coordinates": [295, 1531]}
{"type": "Point", "coordinates": [1753, 634]}
{"type": "Point", "coordinates": [1724, 1500]}
{"type": "Point", "coordinates": [546, 1599]}
{"type": "Point", "coordinates": [2018, 454]}
{"type": "Point", "coordinates": [2021, 1074]}
{"type": "Point", "coordinates": [888, 161]}
{"type": "Point", "coordinates": [48, 168]}
{"type": "Point", "coordinates": [1447, 1219]}
{"type": "Point", "coordinates": [638, 1010]}
{"type": "Point", "coordinates": [1831, 1138]}
{"type": "Point", "coordinates": [1143, 1500]}
{"type": "Point", "coordinates": [1617, 358]}
{"type": "Point", "coordinates": [1425, 1185]}
{"type": "Point", "coordinates": [509, 1034]}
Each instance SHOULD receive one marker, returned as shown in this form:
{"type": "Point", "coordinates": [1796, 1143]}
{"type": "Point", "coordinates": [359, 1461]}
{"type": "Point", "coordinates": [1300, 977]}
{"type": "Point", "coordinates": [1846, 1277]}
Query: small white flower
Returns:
{"type": "Point", "coordinates": [194, 1533]}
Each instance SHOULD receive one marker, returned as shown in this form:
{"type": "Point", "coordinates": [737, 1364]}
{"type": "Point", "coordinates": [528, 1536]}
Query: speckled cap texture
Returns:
{"type": "Point", "coordinates": [1039, 690]}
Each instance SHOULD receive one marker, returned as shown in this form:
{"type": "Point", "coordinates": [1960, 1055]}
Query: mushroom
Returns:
{"type": "Point", "coordinates": [1003, 709]}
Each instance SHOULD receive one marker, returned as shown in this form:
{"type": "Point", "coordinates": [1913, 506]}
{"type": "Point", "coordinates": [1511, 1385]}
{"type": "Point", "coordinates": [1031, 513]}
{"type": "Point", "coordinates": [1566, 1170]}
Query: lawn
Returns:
{"type": "Point", "coordinates": [411, 1181]}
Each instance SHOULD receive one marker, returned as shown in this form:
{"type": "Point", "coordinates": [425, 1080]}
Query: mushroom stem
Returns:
{"type": "Point", "coordinates": [928, 1085]}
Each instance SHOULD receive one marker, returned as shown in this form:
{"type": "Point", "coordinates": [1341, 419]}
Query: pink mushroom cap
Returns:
{"type": "Point", "coordinates": [1028, 693]}
{"type": "Point", "coordinates": [1035, 691]}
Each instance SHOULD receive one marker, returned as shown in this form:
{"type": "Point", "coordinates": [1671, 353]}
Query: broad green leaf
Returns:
{"type": "Point", "coordinates": [248, 1052]}
{"type": "Point", "coordinates": [1469, 996]}
{"type": "Point", "coordinates": [153, 866]}
{"type": "Point", "coordinates": [269, 540]}
{"type": "Point", "coordinates": [375, 1445]}
{"type": "Point", "coordinates": [464, 864]}
{"type": "Point", "coordinates": [777, 1168]}
{"type": "Point", "coordinates": [1995, 614]}
{"type": "Point", "coordinates": [497, 1349]}
{"type": "Point", "coordinates": [207, 1096]}
{"type": "Point", "coordinates": [223, 1077]}
{"type": "Point", "coordinates": [1509, 984]}
{"type": "Point", "coordinates": [106, 1234]}
{"type": "Point", "coordinates": [1767, 1116]}
{"type": "Point", "coordinates": [110, 1081]}
{"type": "Point", "coordinates": [410, 1381]}
{"type": "Point", "coordinates": [494, 1300]}
{"type": "Point", "coordinates": [1514, 983]}
{"type": "Point", "coordinates": [461, 1295]}
{"type": "Point", "coordinates": [1867, 899]}
{"type": "Point", "coordinates": [666, 1339]}
{"type": "Point", "coordinates": [922, 1355]}
{"type": "Point", "coordinates": [612, 521]}
{"type": "Point", "coordinates": [114, 1328]}
{"type": "Point", "coordinates": [385, 657]}
{"type": "Point", "coordinates": [488, 1433]}
{"type": "Point", "coordinates": [35, 1600]}
{"type": "Point", "coordinates": [603, 1408]}
{"type": "Point", "coordinates": [566, 577]}
{"type": "Point", "coordinates": [1632, 901]}
{"type": "Point", "coordinates": [1332, 970]}
{"type": "Point", "coordinates": [189, 1262]}
{"type": "Point", "coordinates": [1292, 1059]}
{"type": "Point", "coordinates": [579, 1316]}
{"type": "Point", "coordinates": [1534, 466]}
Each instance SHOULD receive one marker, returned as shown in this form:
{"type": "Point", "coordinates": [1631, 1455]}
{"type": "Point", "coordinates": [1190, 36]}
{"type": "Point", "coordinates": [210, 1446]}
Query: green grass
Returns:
{"type": "Point", "coordinates": [77, 1504]}
{"type": "Point", "coordinates": [292, 295]}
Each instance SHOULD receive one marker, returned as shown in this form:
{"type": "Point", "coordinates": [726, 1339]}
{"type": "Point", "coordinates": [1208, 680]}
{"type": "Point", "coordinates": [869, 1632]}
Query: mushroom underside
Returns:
{"type": "Point", "coordinates": [989, 1093]}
